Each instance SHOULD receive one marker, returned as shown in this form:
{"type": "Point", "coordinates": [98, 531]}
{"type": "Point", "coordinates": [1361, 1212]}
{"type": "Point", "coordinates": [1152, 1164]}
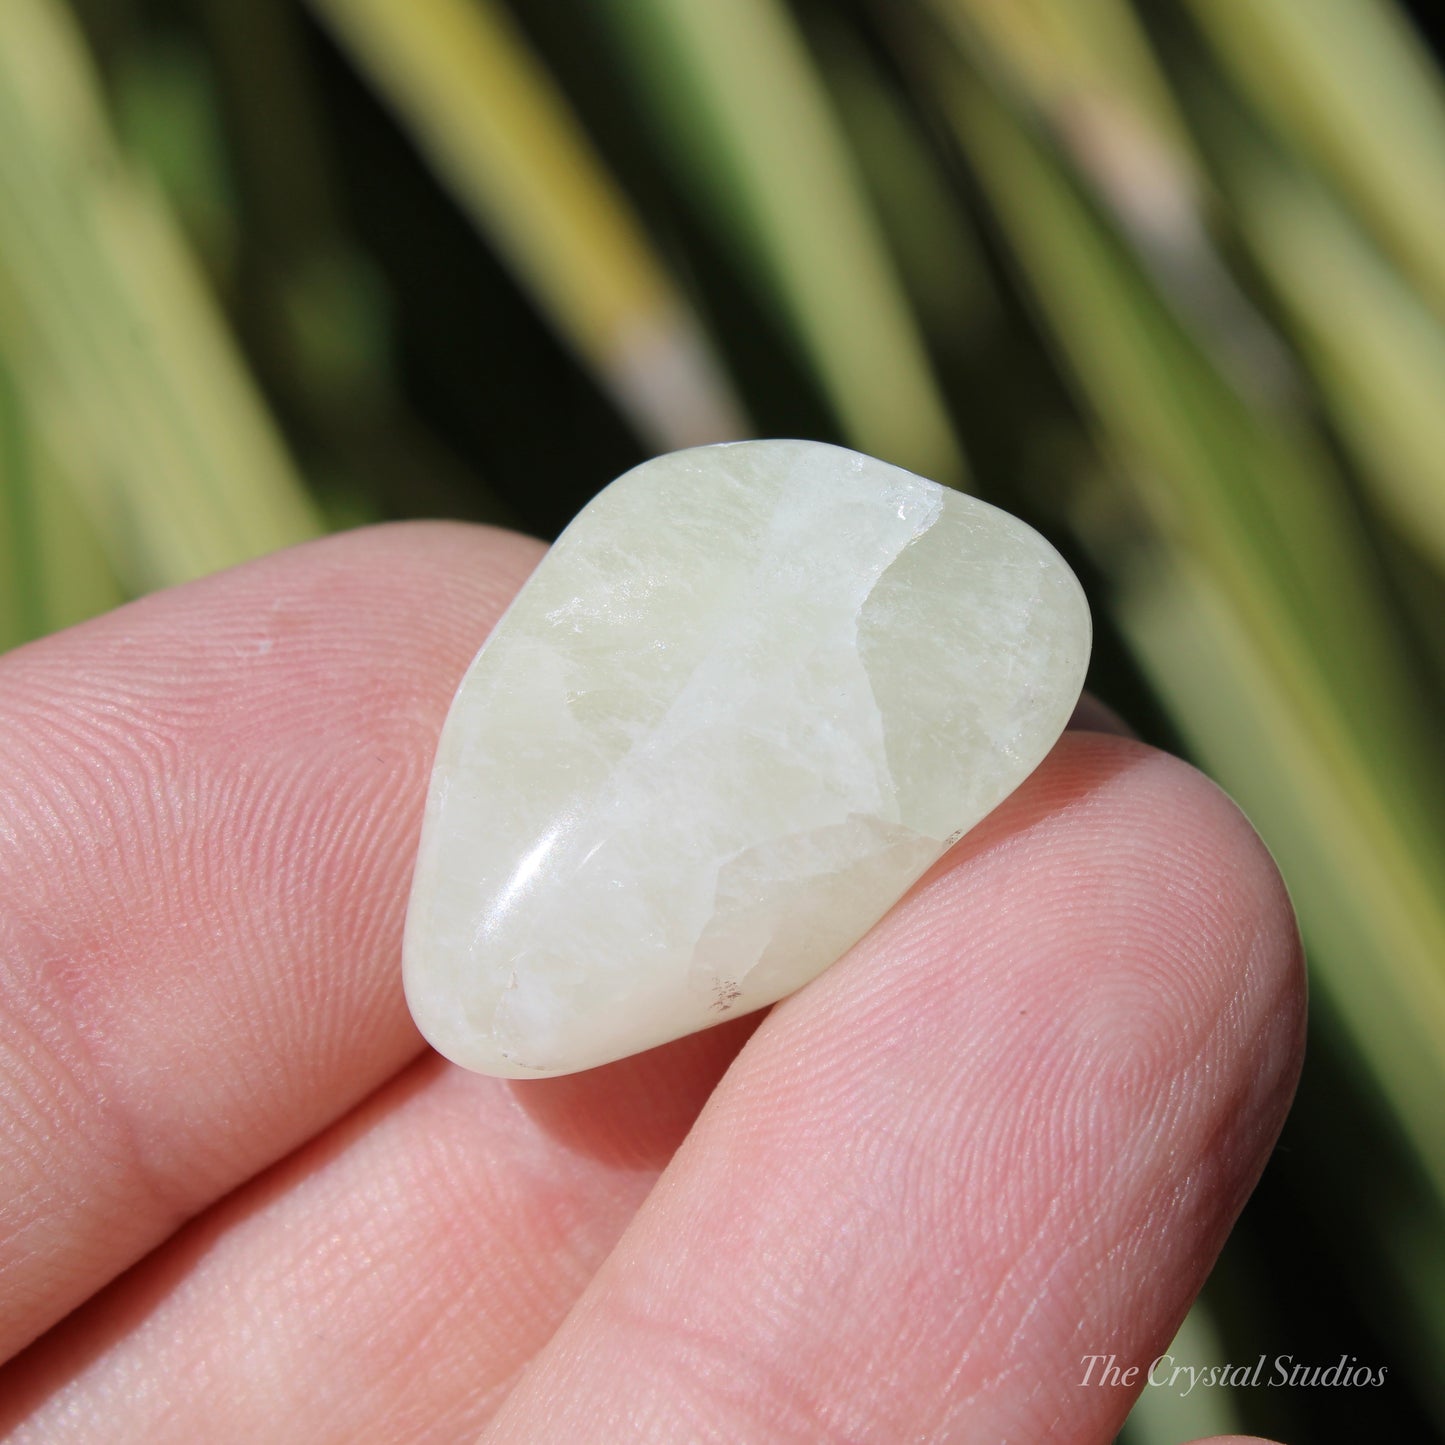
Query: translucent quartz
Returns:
{"type": "Point", "coordinates": [749, 696]}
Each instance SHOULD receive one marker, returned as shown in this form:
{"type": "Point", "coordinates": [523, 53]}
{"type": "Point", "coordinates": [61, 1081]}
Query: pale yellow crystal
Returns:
{"type": "Point", "coordinates": [752, 692]}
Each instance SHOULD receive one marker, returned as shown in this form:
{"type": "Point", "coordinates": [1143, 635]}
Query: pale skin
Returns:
{"type": "Point", "coordinates": [239, 1200]}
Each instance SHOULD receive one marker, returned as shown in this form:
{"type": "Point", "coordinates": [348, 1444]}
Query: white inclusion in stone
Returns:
{"type": "Point", "coordinates": [750, 695]}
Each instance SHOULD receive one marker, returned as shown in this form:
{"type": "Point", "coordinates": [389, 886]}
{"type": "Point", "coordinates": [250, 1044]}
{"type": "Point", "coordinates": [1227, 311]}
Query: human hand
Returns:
{"type": "Point", "coordinates": [1009, 1130]}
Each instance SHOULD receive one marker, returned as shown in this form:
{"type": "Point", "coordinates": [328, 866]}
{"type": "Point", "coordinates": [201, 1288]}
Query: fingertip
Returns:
{"type": "Point", "coordinates": [218, 790]}
{"type": "Point", "coordinates": [1035, 1095]}
{"type": "Point", "coordinates": [1092, 715]}
{"type": "Point", "coordinates": [1234, 1440]}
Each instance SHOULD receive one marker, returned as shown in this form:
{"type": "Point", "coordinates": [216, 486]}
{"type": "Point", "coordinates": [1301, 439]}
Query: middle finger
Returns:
{"type": "Point", "coordinates": [389, 1280]}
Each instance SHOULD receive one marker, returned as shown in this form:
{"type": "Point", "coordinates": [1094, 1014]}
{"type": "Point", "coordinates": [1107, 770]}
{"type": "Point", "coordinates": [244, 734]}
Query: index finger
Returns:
{"type": "Point", "coordinates": [208, 812]}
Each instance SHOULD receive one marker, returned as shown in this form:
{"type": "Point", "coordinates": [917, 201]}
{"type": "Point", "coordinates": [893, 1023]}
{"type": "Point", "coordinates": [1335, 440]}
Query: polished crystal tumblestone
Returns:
{"type": "Point", "coordinates": [748, 697]}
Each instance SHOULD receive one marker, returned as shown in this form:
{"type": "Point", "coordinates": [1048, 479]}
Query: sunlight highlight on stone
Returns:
{"type": "Point", "coordinates": [752, 692]}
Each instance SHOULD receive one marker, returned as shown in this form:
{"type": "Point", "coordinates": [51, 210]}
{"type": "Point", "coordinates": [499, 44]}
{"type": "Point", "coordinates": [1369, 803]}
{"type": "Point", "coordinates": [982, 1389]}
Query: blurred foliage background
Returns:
{"type": "Point", "coordinates": [1165, 277]}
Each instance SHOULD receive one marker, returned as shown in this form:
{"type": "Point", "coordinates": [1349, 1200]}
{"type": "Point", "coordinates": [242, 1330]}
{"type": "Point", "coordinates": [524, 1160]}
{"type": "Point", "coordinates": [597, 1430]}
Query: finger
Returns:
{"type": "Point", "coordinates": [1010, 1130]}
{"type": "Point", "coordinates": [208, 810]}
{"type": "Point", "coordinates": [1091, 715]}
{"type": "Point", "coordinates": [442, 1200]}
{"type": "Point", "coordinates": [1234, 1440]}
{"type": "Point", "coordinates": [198, 891]}
{"type": "Point", "coordinates": [389, 1281]}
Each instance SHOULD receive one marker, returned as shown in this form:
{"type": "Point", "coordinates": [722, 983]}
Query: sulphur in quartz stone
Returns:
{"type": "Point", "coordinates": [752, 692]}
